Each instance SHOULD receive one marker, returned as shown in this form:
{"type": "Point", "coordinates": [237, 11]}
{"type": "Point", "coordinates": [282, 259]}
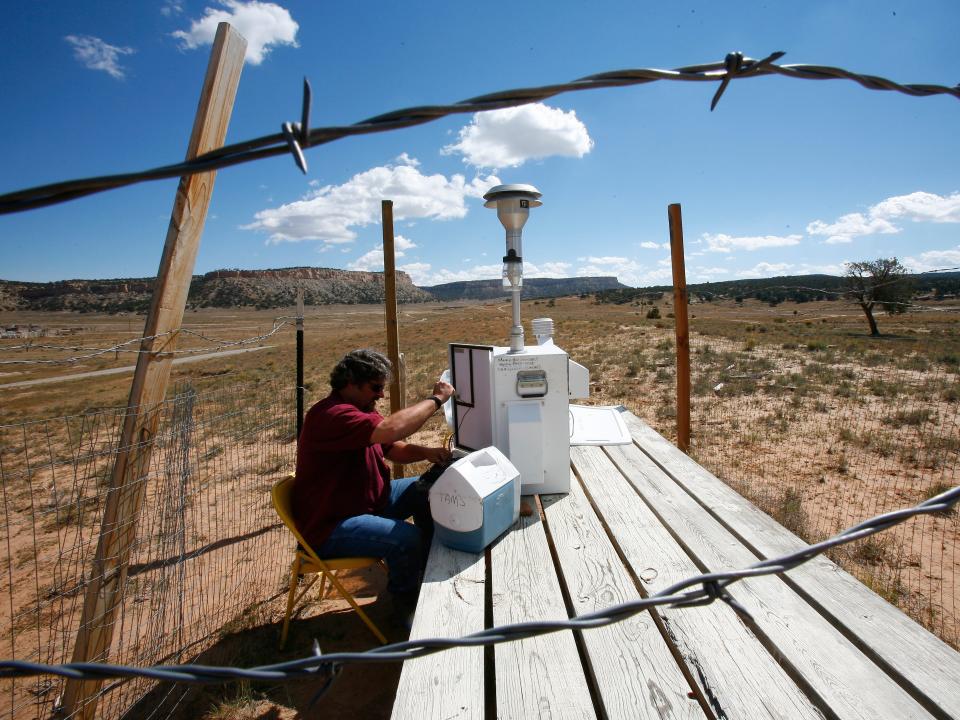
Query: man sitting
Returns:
{"type": "Point", "coordinates": [344, 502]}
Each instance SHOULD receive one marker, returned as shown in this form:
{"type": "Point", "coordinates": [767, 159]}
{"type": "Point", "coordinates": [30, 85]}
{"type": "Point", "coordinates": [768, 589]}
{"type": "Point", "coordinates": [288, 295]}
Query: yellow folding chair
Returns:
{"type": "Point", "coordinates": [307, 562]}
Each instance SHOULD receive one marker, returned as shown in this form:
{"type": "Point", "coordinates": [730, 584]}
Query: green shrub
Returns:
{"type": "Point", "coordinates": [843, 467]}
{"type": "Point", "coordinates": [790, 513]}
{"type": "Point", "coordinates": [884, 389]}
{"type": "Point", "coordinates": [666, 411]}
{"type": "Point", "coordinates": [914, 362]}
{"type": "Point", "coordinates": [909, 417]}
{"type": "Point", "coordinates": [950, 359]}
{"type": "Point", "coordinates": [872, 550]}
{"type": "Point", "coordinates": [935, 490]}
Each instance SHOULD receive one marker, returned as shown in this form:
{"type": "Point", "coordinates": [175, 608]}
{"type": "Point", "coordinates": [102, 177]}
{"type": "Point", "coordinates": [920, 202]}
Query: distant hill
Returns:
{"type": "Point", "coordinates": [278, 288]}
{"type": "Point", "coordinates": [796, 288]}
{"type": "Point", "coordinates": [271, 289]}
{"type": "Point", "coordinates": [323, 286]}
{"type": "Point", "coordinates": [220, 288]}
{"type": "Point", "coordinates": [532, 288]}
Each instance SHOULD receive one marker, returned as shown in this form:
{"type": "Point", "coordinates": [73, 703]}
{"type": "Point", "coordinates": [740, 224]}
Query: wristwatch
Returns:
{"type": "Point", "coordinates": [437, 400]}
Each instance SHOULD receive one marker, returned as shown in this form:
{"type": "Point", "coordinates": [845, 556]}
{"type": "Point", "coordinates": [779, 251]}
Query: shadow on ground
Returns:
{"type": "Point", "coordinates": [359, 691]}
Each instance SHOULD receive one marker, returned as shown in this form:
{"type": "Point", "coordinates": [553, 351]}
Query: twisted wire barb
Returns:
{"type": "Point", "coordinates": [294, 137]}
{"type": "Point", "coordinates": [712, 587]}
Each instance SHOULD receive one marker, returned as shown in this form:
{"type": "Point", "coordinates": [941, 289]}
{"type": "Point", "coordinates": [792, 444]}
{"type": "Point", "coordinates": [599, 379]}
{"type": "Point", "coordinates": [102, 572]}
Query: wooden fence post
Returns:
{"type": "Point", "coordinates": [397, 385]}
{"type": "Point", "coordinates": [300, 388]}
{"type": "Point", "coordinates": [681, 326]}
{"type": "Point", "coordinates": [132, 464]}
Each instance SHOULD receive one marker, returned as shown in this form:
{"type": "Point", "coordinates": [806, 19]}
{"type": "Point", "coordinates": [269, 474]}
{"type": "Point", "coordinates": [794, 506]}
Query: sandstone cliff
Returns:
{"type": "Point", "coordinates": [272, 289]}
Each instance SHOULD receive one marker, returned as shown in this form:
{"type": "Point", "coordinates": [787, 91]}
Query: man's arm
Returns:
{"type": "Point", "coordinates": [403, 452]}
{"type": "Point", "coordinates": [408, 420]}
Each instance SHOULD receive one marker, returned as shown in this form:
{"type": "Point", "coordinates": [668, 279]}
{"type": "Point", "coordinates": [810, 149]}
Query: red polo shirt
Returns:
{"type": "Point", "coordinates": [339, 473]}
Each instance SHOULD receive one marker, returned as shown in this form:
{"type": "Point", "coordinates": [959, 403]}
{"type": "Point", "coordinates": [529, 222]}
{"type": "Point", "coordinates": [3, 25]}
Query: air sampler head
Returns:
{"type": "Point", "coordinates": [513, 203]}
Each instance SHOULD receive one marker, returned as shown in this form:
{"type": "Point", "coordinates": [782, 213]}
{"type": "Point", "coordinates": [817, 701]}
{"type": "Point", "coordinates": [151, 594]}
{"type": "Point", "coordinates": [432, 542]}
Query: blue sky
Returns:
{"type": "Point", "coordinates": [785, 177]}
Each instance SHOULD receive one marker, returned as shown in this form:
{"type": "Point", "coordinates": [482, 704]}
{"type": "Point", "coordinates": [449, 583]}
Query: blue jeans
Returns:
{"type": "Point", "coordinates": [388, 536]}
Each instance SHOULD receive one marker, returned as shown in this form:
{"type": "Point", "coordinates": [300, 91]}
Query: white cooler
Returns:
{"type": "Point", "coordinates": [475, 500]}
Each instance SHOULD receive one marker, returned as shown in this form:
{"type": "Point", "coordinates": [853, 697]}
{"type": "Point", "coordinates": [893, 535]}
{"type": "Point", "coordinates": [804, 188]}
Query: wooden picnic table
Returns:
{"type": "Point", "coordinates": [639, 518]}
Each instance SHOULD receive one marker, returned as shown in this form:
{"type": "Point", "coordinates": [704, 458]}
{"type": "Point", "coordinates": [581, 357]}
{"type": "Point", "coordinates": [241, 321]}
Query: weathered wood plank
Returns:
{"type": "Point", "coordinates": [541, 676]}
{"type": "Point", "coordinates": [448, 684]}
{"type": "Point", "coordinates": [636, 674]}
{"type": "Point", "coordinates": [830, 665]}
{"type": "Point", "coordinates": [919, 658]}
{"type": "Point", "coordinates": [736, 673]}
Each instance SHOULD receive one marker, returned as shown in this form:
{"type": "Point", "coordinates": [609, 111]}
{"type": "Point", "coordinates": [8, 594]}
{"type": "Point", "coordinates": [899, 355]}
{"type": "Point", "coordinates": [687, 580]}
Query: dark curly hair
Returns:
{"type": "Point", "coordinates": [359, 367]}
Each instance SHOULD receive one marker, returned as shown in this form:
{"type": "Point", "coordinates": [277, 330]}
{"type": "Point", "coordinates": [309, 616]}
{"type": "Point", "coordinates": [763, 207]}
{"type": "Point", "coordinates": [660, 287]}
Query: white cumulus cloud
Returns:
{"type": "Point", "coordinates": [96, 54]}
{"type": "Point", "coordinates": [827, 269]}
{"type": "Point", "coordinates": [934, 260]}
{"type": "Point", "coordinates": [765, 269]}
{"type": "Point", "coordinates": [419, 273]}
{"type": "Point", "coordinates": [171, 7]}
{"type": "Point", "coordinates": [627, 271]}
{"type": "Point", "coordinates": [917, 207]}
{"type": "Point", "coordinates": [373, 260]}
{"type": "Point", "coordinates": [920, 207]}
{"type": "Point", "coordinates": [510, 137]}
{"type": "Point", "coordinates": [701, 272]}
{"type": "Point", "coordinates": [263, 24]}
{"type": "Point", "coordinates": [424, 275]}
{"type": "Point", "coordinates": [846, 228]}
{"type": "Point", "coordinates": [329, 213]}
{"type": "Point", "coordinates": [720, 242]}
{"type": "Point", "coordinates": [549, 270]}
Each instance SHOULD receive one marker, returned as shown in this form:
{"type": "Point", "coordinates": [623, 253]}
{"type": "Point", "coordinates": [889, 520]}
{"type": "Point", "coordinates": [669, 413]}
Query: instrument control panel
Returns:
{"type": "Point", "coordinates": [531, 383]}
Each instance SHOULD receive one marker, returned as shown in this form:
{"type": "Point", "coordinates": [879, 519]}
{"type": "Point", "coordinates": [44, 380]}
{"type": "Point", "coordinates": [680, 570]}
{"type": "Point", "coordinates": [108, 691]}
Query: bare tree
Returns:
{"type": "Point", "coordinates": [881, 282]}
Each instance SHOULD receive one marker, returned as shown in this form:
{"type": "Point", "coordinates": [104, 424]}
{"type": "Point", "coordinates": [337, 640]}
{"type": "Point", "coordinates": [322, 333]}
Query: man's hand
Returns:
{"type": "Point", "coordinates": [436, 454]}
{"type": "Point", "coordinates": [443, 390]}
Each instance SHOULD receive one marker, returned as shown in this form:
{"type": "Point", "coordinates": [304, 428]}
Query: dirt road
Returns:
{"type": "Point", "coordinates": [126, 369]}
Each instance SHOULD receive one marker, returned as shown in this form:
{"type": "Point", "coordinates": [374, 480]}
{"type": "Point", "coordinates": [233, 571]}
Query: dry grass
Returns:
{"type": "Point", "coordinates": [794, 406]}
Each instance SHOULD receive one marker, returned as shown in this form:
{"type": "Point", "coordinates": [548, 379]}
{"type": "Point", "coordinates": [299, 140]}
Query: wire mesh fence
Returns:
{"type": "Point", "coordinates": [822, 433]}
{"type": "Point", "coordinates": [207, 537]}
{"type": "Point", "coordinates": [820, 425]}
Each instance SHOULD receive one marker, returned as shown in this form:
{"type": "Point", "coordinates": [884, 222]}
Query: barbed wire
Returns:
{"type": "Point", "coordinates": [712, 587]}
{"type": "Point", "coordinates": [295, 137]}
{"type": "Point", "coordinates": [278, 324]}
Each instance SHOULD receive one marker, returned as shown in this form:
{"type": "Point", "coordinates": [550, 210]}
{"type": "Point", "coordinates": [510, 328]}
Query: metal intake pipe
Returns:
{"type": "Point", "coordinates": [513, 203]}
